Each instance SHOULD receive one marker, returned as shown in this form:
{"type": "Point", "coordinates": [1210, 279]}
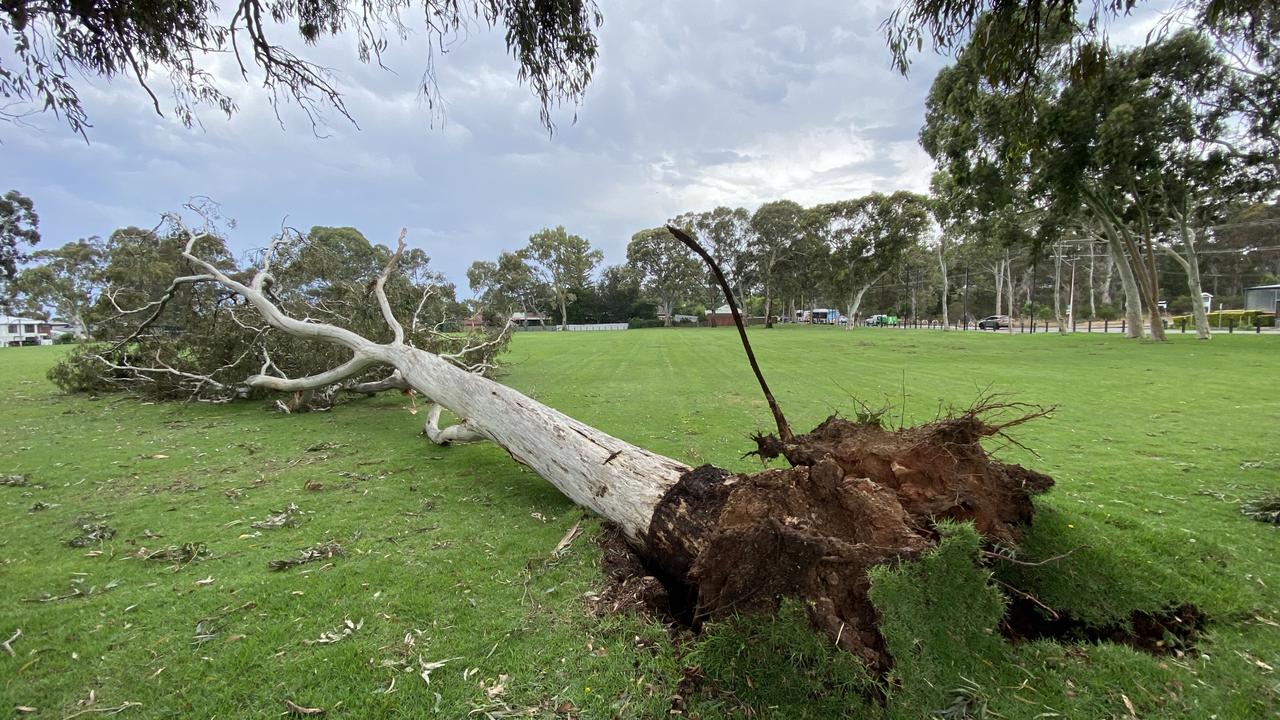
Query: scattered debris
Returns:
{"type": "Point", "coordinates": [91, 533]}
{"type": "Point", "coordinates": [8, 644]}
{"type": "Point", "coordinates": [342, 632]}
{"type": "Point", "coordinates": [567, 539]}
{"type": "Point", "coordinates": [1264, 509]}
{"type": "Point", "coordinates": [105, 711]}
{"type": "Point", "coordinates": [14, 480]}
{"type": "Point", "coordinates": [207, 628]}
{"type": "Point", "coordinates": [290, 516]}
{"type": "Point", "coordinates": [42, 506]}
{"type": "Point", "coordinates": [427, 667]}
{"type": "Point", "coordinates": [319, 551]}
{"type": "Point", "coordinates": [318, 447]}
{"type": "Point", "coordinates": [296, 709]}
{"type": "Point", "coordinates": [313, 486]}
{"type": "Point", "coordinates": [76, 592]}
{"type": "Point", "coordinates": [183, 554]}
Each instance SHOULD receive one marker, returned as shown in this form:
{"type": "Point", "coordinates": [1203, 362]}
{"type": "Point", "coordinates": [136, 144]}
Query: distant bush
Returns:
{"type": "Point", "coordinates": [65, 339]}
{"type": "Point", "coordinates": [1105, 312]}
{"type": "Point", "coordinates": [1225, 318]}
{"type": "Point", "coordinates": [636, 323]}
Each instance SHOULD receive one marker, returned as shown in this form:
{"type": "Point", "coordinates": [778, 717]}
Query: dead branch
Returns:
{"type": "Point", "coordinates": [784, 430]}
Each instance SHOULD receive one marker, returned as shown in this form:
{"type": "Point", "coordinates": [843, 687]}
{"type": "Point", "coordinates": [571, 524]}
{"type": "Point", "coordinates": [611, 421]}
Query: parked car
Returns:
{"type": "Point", "coordinates": [882, 321]}
{"type": "Point", "coordinates": [994, 322]}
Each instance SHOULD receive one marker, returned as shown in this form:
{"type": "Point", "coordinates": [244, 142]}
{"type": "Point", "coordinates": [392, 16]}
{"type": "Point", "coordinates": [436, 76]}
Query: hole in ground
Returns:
{"type": "Point", "coordinates": [1159, 633]}
{"type": "Point", "coordinates": [630, 586]}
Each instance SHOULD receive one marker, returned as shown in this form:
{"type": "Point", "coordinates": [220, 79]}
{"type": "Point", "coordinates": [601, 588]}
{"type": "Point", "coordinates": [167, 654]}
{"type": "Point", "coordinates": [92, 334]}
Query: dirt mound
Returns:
{"type": "Point", "coordinates": [1161, 632]}
{"type": "Point", "coordinates": [858, 495]}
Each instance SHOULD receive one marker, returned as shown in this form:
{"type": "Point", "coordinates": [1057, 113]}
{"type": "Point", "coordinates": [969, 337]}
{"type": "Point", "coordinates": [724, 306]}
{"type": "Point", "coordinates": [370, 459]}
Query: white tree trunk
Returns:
{"type": "Point", "coordinates": [1132, 297]}
{"type": "Point", "coordinates": [618, 480]}
{"type": "Point", "coordinates": [942, 264]}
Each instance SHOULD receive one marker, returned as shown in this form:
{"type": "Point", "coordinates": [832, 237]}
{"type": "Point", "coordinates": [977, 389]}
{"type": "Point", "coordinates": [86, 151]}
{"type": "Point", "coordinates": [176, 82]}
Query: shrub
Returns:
{"type": "Point", "coordinates": [65, 339]}
{"type": "Point", "coordinates": [1226, 318]}
{"type": "Point", "coordinates": [636, 323]}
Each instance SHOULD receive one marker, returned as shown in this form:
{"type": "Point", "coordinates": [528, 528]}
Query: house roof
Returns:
{"type": "Point", "coordinates": [1263, 287]}
{"type": "Point", "coordinates": [16, 319]}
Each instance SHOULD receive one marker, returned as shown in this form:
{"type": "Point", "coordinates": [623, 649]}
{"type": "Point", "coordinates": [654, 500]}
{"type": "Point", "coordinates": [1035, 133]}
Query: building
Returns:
{"type": "Point", "coordinates": [720, 317]}
{"type": "Point", "coordinates": [15, 331]}
{"type": "Point", "coordinates": [527, 319]}
{"type": "Point", "coordinates": [1262, 297]}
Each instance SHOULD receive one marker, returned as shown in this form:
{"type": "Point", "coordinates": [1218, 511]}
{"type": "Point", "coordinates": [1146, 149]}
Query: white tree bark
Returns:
{"type": "Point", "coordinates": [618, 480]}
{"type": "Point", "coordinates": [942, 264]}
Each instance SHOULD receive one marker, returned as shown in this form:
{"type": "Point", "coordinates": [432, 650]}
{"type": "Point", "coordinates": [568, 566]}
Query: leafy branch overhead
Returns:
{"type": "Point", "coordinates": [57, 43]}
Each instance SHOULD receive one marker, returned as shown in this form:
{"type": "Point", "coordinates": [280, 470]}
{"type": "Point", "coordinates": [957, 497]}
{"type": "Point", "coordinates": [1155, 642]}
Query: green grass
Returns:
{"type": "Point", "coordinates": [448, 550]}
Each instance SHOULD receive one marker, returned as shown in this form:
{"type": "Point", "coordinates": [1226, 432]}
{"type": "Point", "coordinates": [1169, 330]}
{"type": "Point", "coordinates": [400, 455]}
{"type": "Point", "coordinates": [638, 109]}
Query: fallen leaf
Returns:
{"type": "Point", "coordinates": [427, 667]}
{"type": "Point", "coordinates": [568, 538]}
{"type": "Point", "coordinates": [26, 709]}
{"type": "Point", "coordinates": [296, 709]}
{"type": "Point", "coordinates": [1128, 705]}
{"type": "Point", "coordinates": [206, 581]}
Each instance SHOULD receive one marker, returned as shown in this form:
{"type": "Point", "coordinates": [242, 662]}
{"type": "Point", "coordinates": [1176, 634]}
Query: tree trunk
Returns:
{"type": "Point", "coordinates": [1058, 317]}
{"type": "Point", "coordinates": [1093, 308]}
{"type": "Point", "coordinates": [1008, 269]}
{"type": "Point", "coordinates": [1108, 269]}
{"type": "Point", "coordinates": [564, 312]}
{"type": "Point", "coordinates": [768, 308]}
{"type": "Point", "coordinates": [1191, 267]}
{"type": "Point", "coordinates": [942, 264]}
{"type": "Point", "coordinates": [1132, 298]}
{"type": "Point", "coordinates": [999, 272]}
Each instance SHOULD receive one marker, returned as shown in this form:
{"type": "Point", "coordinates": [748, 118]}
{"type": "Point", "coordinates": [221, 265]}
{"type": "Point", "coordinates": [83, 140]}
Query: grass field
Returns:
{"type": "Point", "coordinates": [447, 552]}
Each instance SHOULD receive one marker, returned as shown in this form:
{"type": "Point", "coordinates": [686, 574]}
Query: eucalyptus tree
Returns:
{"type": "Point", "coordinates": [668, 272]}
{"type": "Point", "coordinates": [19, 232]}
{"type": "Point", "coordinates": [561, 262]}
{"type": "Point", "coordinates": [727, 233]}
{"type": "Point", "coordinates": [776, 234]}
{"type": "Point", "coordinates": [68, 278]}
{"type": "Point", "coordinates": [867, 238]}
{"type": "Point", "coordinates": [57, 47]}
{"type": "Point", "coordinates": [508, 284]}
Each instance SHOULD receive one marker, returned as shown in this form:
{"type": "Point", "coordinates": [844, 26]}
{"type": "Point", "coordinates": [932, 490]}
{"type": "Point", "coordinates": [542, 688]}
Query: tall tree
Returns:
{"type": "Point", "coordinates": [726, 233]}
{"type": "Point", "coordinates": [19, 231]}
{"type": "Point", "coordinates": [68, 278]}
{"type": "Point", "coordinates": [56, 45]}
{"type": "Point", "coordinates": [562, 262]}
{"type": "Point", "coordinates": [669, 273]}
{"type": "Point", "coordinates": [776, 234]}
{"type": "Point", "coordinates": [866, 238]}
{"type": "Point", "coordinates": [507, 284]}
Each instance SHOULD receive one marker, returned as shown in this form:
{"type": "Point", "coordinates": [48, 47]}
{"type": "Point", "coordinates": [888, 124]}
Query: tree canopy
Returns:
{"type": "Point", "coordinates": [57, 43]}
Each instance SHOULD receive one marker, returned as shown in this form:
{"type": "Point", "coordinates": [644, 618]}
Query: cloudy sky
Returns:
{"type": "Point", "coordinates": [693, 105]}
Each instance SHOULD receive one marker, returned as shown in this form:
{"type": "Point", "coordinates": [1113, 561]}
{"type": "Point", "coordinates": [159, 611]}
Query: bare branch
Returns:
{"type": "Point", "coordinates": [462, 432]}
{"type": "Point", "coordinates": [379, 289]}
{"type": "Point", "coordinates": [158, 305]}
{"type": "Point", "coordinates": [358, 362]}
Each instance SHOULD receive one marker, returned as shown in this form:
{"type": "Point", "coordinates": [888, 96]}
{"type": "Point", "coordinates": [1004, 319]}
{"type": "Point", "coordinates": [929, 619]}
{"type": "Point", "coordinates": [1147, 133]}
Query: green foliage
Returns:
{"type": "Point", "coordinates": [636, 323]}
{"type": "Point", "coordinates": [939, 617]}
{"type": "Point", "coordinates": [19, 231]}
{"type": "Point", "coordinates": [561, 262]}
{"type": "Point", "coordinates": [205, 341]}
{"type": "Point", "coordinates": [1238, 318]}
{"type": "Point", "coordinates": [56, 44]}
{"type": "Point", "coordinates": [669, 273]}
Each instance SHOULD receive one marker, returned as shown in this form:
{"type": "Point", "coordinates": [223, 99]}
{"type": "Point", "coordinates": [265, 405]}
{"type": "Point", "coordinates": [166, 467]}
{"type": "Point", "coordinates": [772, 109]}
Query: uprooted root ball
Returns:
{"type": "Point", "coordinates": [857, 496]}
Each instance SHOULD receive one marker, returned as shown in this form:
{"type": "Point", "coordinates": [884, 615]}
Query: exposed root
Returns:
{"type": "Point", "coordinates": [460, 433]}
{"type": "Point", "coordinates": [857, 496]}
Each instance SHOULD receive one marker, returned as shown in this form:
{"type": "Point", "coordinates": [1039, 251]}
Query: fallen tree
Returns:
{"type": "Point", "coordinates": [856, 495]}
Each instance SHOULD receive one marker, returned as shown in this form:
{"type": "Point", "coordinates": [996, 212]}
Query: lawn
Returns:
{"type": "Point", "coordinates": [447, 600]}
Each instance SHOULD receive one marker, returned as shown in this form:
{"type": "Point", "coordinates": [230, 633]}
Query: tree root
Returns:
{"type": "Point", "coordinates": [857, 496]}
